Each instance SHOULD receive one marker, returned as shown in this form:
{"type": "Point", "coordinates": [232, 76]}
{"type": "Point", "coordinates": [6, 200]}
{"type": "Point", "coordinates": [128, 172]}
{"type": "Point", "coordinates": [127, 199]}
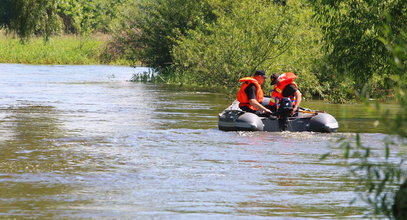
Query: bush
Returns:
{"type": "Point", "coordinates": [382, 176]}
{"type": "Point", "coordinates": [149, 35]}
{"type": "Point", "coordinates": [251, 35]}
{"type": "Point", "coordinates": [352, 32]}
{"type": "Point", "coordinates": [248, 38]}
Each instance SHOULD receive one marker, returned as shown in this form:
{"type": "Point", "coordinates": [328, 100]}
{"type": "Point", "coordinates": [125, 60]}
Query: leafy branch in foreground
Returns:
{"type": "Point", "coordinates": [383, 177]}
{"type": "Point", "coordinates": [378, 173]}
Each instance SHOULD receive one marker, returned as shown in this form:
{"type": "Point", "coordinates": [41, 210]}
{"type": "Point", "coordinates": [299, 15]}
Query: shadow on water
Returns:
{"type": "Point", "coordinates": [353, 117]}
{"type": "Point", "coordinates": [177, 108]}
{"type": "Point", "coordinates": [32, 167]}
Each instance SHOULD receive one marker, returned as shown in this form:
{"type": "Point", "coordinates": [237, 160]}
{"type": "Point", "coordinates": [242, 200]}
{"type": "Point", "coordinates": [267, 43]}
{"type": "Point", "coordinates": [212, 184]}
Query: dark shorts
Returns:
{"type": "Point", "coordinates": [247, 109]}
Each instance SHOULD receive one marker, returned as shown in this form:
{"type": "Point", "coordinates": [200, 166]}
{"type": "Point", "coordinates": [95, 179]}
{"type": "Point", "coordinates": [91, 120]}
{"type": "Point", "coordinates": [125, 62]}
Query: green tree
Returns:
{"type": "Point", "coordinates": [80, 16]}
{"type": "Point", "coordinates": [7, 8]}
{"type": "Point", "coordinates": [112, 13]}
{"type": "Point", "coordinates": [155, 26]}
{"type": "Point", "coordinates": [382, 175]}
{"type": "Point", "coordinates": [41, 17]}
{"type": "Point", "coordinates": [304, 55]}
{"type": "Point", "coordinates": [352, 31]}
{"type": "Point", "coordinates": [29, 17]}
{"type": "Point", "coordinates": [248, 37]}
{"type": "Point", "coordinates": [85, 17]}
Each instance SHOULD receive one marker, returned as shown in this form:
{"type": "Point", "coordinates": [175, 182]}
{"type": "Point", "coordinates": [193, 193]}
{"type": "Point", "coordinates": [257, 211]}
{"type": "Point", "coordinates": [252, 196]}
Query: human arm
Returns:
{"type": "Point", "coordinates": [258, 106]}
{"type": "Point", "coordinates": [292, 90]}
{"type": "Point", "coordinates": [251, 94]}
{"type": "Point", "coordinates": [298, 97]}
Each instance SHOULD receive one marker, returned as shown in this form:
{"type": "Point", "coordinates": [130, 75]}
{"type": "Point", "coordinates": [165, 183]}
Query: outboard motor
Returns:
{"type": "Point", "coordinates": [284, 111]}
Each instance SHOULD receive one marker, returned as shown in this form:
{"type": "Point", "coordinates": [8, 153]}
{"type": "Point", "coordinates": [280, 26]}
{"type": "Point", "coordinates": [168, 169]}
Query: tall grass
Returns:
{"type": "Point", "coordinates": [58, 50]}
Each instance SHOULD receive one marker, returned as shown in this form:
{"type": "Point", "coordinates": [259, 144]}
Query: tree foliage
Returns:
{"type": "Point", "coordinates": [29, 17]}
{"type": "Point", "coordinates": [158, 24]}
{"type": "Point", "coordinates": [47, 17]}
{"type": "Point", "coordinates": [352, 31]}
{"type": "Point", "coordinates": [214, 42]}
{"type": "Point", "coordinates": [79, 16]}
{"type": "Point", "coordinates": [249, 37]}
{"type": "Point", "coordinates": [84, 17]}
{"type": "Point", "coordinates": [383, 175]}
{"type": "Point", "coordinates": [7, 11]}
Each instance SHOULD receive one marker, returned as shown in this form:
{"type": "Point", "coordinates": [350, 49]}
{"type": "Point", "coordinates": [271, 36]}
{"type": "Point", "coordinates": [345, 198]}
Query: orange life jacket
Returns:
{"type": "Point", "coordinates": [277, 94]}
{"type": "Point", "coordinates": [242, 96]}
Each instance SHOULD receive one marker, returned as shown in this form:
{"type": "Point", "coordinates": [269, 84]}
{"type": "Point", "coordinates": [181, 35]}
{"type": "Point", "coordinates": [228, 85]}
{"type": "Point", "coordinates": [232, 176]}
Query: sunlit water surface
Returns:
{"type": "Point", "coordinates": [85, 142]}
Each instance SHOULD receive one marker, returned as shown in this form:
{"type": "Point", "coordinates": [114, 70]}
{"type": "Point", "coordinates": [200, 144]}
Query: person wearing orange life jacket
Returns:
{"type": "Point", "coordinates": [250, 94]}
{"type": "Point", "coordinates": [284, 86]}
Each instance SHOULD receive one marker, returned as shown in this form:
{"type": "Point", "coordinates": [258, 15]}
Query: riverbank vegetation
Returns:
{"type": "Point", "coordinates": [334, 47]}
{"type": "Point", "coordinates": [58, 32]}
{"type": "Point", "coordinates": [382, 180]}
{"type": "Point", "coordinates": [58, 50]}
{"type": "Point", "coordinates": [64, 49]}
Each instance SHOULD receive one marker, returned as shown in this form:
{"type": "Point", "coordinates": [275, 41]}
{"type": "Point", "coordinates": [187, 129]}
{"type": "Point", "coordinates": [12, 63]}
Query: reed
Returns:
{"type": "Point", "coordinates": [58, 50]}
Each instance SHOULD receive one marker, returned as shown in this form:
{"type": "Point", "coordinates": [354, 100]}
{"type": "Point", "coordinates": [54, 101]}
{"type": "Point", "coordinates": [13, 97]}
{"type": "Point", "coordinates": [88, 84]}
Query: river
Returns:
{"type": "Point", "coordinates": [85, 142]}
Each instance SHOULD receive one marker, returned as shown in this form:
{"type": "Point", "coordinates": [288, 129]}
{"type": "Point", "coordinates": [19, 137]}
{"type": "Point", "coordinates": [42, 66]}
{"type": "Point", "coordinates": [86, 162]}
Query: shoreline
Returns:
{"type": "Point", "coordinates": [59, 50]}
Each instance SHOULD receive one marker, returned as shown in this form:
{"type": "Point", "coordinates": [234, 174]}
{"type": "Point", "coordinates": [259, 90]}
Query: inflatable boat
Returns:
{"type": "Point", "coordinates": [234, 119]}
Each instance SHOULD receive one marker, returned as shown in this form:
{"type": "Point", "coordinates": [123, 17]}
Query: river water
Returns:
{"type": "Point", "coordinates": [85, 142]}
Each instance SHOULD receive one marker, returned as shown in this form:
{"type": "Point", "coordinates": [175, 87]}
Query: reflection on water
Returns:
{"type": "Point", "coordinates": [30, 130]}
{"type": "Point", "coordinates": [29, 182]}
{"type": "Point", "coordinates": [354, 117]}
{"type": "Point", "coordinates": [83, 142]}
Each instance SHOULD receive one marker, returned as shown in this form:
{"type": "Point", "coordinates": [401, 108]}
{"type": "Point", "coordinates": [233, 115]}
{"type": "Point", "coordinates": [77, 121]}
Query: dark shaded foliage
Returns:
{"type": "Point", "coordinates": [352, 32]}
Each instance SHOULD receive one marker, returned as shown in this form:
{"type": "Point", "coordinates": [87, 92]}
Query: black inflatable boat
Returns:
{"type": "Point", "coordinates": [234, 119]}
